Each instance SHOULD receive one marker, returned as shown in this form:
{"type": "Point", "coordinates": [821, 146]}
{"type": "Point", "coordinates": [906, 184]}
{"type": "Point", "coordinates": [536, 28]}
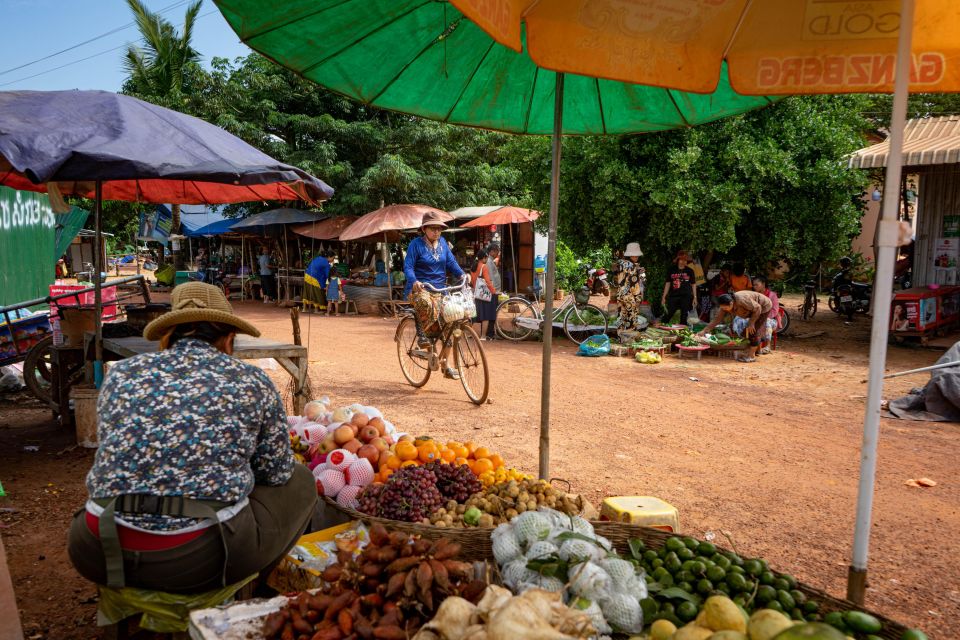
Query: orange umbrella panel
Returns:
{"type": "Point", "coordinates": [329, 229]}
{"type": "Point", "coordinates": [395, 217]}
{"type": "Point", "coordinates": [504, 215]}
{"type": "Point", "coordinates": [772, 47]}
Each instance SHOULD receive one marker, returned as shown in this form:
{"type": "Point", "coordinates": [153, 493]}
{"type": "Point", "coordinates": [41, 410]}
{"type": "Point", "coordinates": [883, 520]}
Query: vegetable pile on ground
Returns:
{"type": "Point", "coordinates": [549, 550]}
{"type": "Point", "coordinates": [388, 592]}
{"type": "Point", "coordinates": [533, 615]}
{"type": "Point", "coordinates": [648, 357]}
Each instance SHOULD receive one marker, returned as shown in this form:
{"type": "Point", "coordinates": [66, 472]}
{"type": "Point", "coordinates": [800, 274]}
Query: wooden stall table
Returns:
{"type": "Point", "coordinates": [293, 358]}
{"type": "Point", "coordinates": [289, 284]}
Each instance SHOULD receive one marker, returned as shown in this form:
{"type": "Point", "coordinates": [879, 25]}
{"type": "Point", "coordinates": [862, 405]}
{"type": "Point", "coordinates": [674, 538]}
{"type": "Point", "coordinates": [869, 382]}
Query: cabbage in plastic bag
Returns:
{"type": "Point", "coordinates": [590, 580]}
{"type": "Point", "coordinates": [592, 609]}
{"type": "Point", "coordinates": [529, 527]}
{"type": "Point", "coordinates": [575, 549]}
{"type": "Point", "coordinates": [622, 612]}
{"type": "Point", "coordinates": [541, 549]}
{"type": "Point", "coordinates": [505, 544]}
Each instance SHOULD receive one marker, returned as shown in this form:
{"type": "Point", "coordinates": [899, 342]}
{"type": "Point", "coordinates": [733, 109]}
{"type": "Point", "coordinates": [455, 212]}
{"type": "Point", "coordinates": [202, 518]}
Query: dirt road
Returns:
{"type": "Point", "coordinates": [767, 452]}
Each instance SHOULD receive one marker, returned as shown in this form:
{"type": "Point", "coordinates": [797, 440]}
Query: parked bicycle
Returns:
{"type": "Point", "coordinates": [519, 318]}
{"type": "Point", "coordinates": [457, 341]}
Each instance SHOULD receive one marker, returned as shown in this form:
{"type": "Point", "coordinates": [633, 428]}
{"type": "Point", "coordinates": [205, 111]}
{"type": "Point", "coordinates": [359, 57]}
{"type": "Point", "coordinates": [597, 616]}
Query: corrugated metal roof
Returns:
{"type": "Point", "coordinates": [469, 213]}
{"type": "Point", "coordinates": [926, 141]}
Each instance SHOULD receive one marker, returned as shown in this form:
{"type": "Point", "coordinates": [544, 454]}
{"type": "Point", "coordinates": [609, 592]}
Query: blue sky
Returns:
{"type": "Point", "coordinates": [34, 29]}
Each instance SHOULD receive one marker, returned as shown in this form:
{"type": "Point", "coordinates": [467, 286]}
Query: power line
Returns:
{"type": "Point", "coordinates": [85, 42]}
{"type": "Point", "coordinates": [96, 55]}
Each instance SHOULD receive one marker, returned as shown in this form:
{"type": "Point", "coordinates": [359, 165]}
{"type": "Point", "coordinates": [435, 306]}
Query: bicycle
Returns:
{"type": "Point", "coordinates": [458, 340]}
{"type": "Point", "coordinates": [809, 307]}
{"type": "Point", "coordinates": [518, 318]}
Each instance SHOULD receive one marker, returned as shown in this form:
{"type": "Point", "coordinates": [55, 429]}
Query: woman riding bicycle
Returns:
{"type": "Point", "coordinates": [428, 262]}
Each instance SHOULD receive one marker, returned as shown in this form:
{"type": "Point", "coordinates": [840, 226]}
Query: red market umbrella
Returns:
{"type": "Point", "coordinates": [396, 217]}
{"type": "Point", "coordinates": [504, 215]}
{"type": "Point", "coordinates": [329, 229]}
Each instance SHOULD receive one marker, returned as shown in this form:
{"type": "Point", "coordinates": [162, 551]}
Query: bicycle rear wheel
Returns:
{"type": "Point", "coordinates": [583, 321]}
{"type": "Point", "coordinates": [414, 359]}
{"type": "Point", "coordinates": [471, 363]}
{"type": "Point", "coordinates": [516, 319]}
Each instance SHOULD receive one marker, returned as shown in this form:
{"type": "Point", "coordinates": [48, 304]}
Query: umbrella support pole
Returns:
{"type": "Point", "coordinates": [888, 232]}
{"type": "Point", "coordinates": [547, 325]}
{"type": "Point", "coordinates": [97, 286]}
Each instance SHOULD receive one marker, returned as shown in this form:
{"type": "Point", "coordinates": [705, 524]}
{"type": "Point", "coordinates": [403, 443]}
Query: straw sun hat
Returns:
{"type": "Point", "coordinates": [433, 219]}
{"type": "Point", "coordinates": [633, 249]}
{"type": "Point", "coordinates": [198, 302]}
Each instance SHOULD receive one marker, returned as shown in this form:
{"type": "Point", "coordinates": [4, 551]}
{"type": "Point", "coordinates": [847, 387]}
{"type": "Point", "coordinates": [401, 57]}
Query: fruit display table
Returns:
{"type": "Point", "coordinates": [293, 358]}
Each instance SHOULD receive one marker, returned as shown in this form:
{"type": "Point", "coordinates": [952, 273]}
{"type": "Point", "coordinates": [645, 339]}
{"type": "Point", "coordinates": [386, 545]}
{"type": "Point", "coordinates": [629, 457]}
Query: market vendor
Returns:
{"type": "Point", "coordinates": [753, 306]}
{"type": "Point", "coordinates": [429, 260]}
{"type": "Point", "coordinates": [631, 279]}
{"type": "Point", "coordinates": [194, 485]}
{"type": "Point", "coordinates": [315, 282]}
{"type": "Point", "coordinates": [679, 291]}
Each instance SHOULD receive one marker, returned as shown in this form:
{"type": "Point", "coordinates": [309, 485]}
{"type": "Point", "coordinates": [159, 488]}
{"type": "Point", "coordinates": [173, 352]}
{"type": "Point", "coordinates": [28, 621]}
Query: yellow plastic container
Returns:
{"type": "Point", "coordinates": [647, 511]}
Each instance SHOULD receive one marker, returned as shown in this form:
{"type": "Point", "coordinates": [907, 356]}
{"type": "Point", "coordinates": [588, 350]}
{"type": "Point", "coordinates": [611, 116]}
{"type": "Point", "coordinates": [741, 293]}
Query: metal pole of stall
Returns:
{"type": "Point", "coordinates": [547, 326]}
{"type": "Point", "coordinates": [888, 233]}
{"type": "Point", "coordinates": [97, 286]}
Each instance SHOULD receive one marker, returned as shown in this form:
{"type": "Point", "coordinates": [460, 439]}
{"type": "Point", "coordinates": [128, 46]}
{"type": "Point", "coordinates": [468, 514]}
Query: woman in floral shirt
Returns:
{"type": "Point", "coordinates": [194, 484]}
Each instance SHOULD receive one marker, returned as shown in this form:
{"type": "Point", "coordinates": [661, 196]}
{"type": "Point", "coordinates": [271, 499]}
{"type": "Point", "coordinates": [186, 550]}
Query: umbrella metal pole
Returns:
{"type": "Point", "coordinates": [883, 294]}
{"type": "Point", "coordinates": [547, 326]}
{"type": "Point", "coordinates": [97, 296]}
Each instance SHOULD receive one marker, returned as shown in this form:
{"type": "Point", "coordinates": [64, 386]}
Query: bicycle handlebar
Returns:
{"type": "Point", "coordinates": [463, 282]}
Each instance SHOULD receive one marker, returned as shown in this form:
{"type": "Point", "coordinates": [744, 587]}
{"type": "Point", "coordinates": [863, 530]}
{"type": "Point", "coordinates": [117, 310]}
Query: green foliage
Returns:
{"type": "Point", "coordinates": [569, 272]}
{"type": "Point", "coordinates": [159, 66]}
{"type": "Point", "coordinates": [766, 186]}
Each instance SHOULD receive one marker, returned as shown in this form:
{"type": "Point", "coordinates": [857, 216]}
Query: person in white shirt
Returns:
{"type": "Point", "coordinates": [267, 279]}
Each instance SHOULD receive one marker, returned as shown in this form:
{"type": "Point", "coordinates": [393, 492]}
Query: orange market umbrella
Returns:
{"type": "Point", "coordinates": [329, 229]}
{"type": "Point", "coordinates": [769, 47]}
{"type": "Point", "coordinates": [504, 215]}
{"type": "Point", "coordinates": [395, 217]}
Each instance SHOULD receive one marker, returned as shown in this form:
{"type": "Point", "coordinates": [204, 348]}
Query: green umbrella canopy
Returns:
{"type": "Point", "coordinates": [423, 57]}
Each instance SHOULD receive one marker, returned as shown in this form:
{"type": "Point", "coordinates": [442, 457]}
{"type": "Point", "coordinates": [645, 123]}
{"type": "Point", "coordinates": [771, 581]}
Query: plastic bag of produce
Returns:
{"type": "Point", "coordinates": [622, 612]}
{"type": "Point", "coordinates": [505, 544]}
{"type": "Point", "coordinates": [529, 527]}
{"type": "Point", "coordinates": [541, 549]}
{"type": "Point", "coordinates": [517, 576]}
{"type": "Point", "coordinates": [579, 550]}
{"type": "Point", "coordinates": [589, 580]}
{"type": "Point", "coordinates": [595, 346]}
{"type": "Point", "coordinates": [592, 609]}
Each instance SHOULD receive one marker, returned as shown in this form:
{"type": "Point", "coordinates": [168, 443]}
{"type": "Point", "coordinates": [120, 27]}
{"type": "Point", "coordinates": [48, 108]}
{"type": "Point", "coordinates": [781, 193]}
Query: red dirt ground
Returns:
{"type": "Point", "coordinates": [767, 452]}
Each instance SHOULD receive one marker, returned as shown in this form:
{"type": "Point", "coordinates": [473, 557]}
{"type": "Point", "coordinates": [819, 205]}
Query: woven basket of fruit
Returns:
{"type": "Point", "coordinates": [455, 506]}
{"type": "Point", "coordinates": [755, 584]}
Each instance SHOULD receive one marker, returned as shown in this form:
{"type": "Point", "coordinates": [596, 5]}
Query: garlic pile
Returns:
{"type": "Point", "coordinates": [533, 615]}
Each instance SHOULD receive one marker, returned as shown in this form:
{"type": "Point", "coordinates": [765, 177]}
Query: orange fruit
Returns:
{"type": "Point", "coordinates": [393, 463]}
{"type": "Point", "coordinates": [458, 449]}
{"type": "Point", "coordinates": [481, 452]}
{"type": "Point", "coordinates": [447, 454]}
{"type": "Point", "coordinates": [497, 460]}
{"type": "Point", "coordinates": [428, 454]}
{"type": "Point", "coordinates": [482, 465]}
{"type": "Point", "coordinates": [409, 463]}
{"type": "Point", "coordinates": [406, 451]}
{"type": "Point", "coordinates": [461, 461]}
{"type": "Point", "coordinates": [471, 446]}
{"type": "Point", "coordinates": [386, 473]}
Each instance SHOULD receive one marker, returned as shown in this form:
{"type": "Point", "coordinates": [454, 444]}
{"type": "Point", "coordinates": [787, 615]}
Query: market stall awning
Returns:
{"type": "Point", "coordinates": [214, 228]}
{"type": "Point", "coordinates": [470, 213]}
{"type": "Point", "coordinates": [926, 141]}
{"type": "Point", "coordinates": [505, 215]}
{"type": "Point", "coordinates": [259, 222]}
{"type": "Point", "coordinates": [329, 229]}
{"type": "Point", "coordinates": [194, 217]}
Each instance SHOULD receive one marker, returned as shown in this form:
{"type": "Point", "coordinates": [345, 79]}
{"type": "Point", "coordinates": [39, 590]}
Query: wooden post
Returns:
{"type": "Point", "coordinates": [295, 320]}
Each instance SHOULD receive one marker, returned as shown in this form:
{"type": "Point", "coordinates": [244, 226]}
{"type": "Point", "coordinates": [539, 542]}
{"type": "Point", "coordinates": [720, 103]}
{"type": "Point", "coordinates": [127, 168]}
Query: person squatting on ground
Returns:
{"type": "Point", "coordinates": [194, 485]}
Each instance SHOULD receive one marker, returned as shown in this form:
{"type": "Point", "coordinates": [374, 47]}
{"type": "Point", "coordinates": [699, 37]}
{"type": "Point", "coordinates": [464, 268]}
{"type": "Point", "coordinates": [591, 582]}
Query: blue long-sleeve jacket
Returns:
{"type": "Point", "coordinates": [420, 264]}
{"type": "Point", "coordinates": [319, 268]}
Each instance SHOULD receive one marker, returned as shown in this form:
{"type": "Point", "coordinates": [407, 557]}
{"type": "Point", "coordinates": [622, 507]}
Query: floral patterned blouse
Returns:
{"type": "Point", "coordinates": [188, 421]}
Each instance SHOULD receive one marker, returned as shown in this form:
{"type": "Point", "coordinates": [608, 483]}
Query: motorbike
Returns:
{"type": "Point", "coordinates": [848, 297]}
{"type": "Point", "coordinates": [597, 281]}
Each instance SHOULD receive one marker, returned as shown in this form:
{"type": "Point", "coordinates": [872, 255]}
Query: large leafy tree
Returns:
{"type": "Point", "coordinates": [767, 186]}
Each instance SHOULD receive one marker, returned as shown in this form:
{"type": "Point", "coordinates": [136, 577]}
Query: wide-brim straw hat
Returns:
{"type": "Point", "coordinates": [433, 219]}
{"type": "Point", "coordinates": [198, 302]}
{"type": "Point", "coordinates": [633, 249]}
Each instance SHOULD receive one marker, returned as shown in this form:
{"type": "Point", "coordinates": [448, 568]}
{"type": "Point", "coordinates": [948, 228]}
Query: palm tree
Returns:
{"type": "Point", "coordinates": [157, 68]}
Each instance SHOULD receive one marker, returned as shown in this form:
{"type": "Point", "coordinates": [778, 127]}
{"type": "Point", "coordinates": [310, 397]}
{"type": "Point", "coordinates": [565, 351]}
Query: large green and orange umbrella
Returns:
{"type": "Point", "coordinates": [622, 66]}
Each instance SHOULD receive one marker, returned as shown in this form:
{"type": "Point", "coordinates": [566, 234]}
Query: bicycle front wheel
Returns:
{"type": "Point", "coordinates": [583, 321]}
{"type": "Point", "coordinates": [517, 319]}
{"type": "Point", "coordinates": [471, 363]}
{"type": "Point", "coordinates": [414, 359]}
